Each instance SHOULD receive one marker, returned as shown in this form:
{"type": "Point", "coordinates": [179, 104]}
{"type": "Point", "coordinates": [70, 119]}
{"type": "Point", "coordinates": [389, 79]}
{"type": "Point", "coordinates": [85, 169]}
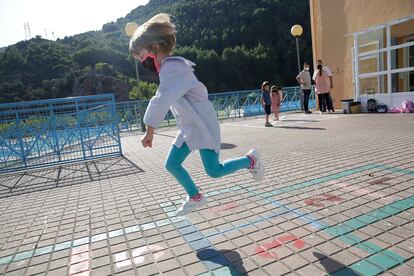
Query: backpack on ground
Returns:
{"type": "Point", "coordinates": [407, 106]}
{"type": "Point", "coordinates": [382, 108]}
{"type": "Point", "coordinates": [372, 105]}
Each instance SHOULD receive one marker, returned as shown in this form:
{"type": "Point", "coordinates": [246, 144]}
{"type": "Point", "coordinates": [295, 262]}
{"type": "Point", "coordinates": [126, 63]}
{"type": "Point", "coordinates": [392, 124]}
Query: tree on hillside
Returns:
{"type": "Point", "coordinates": [235, 44]}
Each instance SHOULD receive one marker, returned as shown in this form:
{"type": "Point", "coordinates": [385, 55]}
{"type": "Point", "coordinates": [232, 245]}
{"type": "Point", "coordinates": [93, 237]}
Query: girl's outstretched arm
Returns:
{"type": "Point", "coordinates": [146, 140]}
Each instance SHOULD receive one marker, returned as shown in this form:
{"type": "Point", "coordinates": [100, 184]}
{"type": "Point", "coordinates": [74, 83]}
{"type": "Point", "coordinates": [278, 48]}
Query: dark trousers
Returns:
{"type": "Point", "coordinates": [329, 103]}
{"type": "Point", "coordinates": [306, 94]}
{"type": "Point", "coordinates": [325, 100]}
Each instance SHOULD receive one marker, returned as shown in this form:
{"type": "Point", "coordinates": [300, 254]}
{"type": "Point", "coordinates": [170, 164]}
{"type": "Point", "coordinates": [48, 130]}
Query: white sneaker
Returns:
{"type": "Point", "coordinates": [258, 170]}
{"type": "Point", "coordinates": [190, 205]}
{"type": "Point", "coordinates": [320, 112]}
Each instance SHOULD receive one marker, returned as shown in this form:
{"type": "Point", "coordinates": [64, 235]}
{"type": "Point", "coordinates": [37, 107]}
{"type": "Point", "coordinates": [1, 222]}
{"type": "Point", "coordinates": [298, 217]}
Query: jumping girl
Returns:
{"type": "Point", "coordinates": [187, 98]}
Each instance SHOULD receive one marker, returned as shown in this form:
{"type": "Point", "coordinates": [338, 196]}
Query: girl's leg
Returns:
{"type": "Point", "coordinates": [173, 164]}
{"type": "Point", "coordinates": [215, 168]}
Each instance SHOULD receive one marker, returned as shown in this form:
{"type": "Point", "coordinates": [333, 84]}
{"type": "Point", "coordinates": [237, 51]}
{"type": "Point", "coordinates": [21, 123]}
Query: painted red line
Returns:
{"type": "Point", "coordinates": [224, 207]}
{"type": "Point", "coordinates": [284, 239]}
{"type": "Point", "coordinates": [365, 192]}
{"type": "Point", "coordinates": [299, 244]}
{"type": "Point", "coordinates": [79, 267]}
{"type": "Point", "coordinates": [379, 181]}
{"type": "Point", "coordinates": [314, 201]}
{"type": "Point", "coordinates": [263, 250]}
{"type": "Point", "coordinates": [331, 197]}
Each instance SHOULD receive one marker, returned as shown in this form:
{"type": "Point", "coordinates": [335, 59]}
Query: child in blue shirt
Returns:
{"type": "Point", "coordinates": [266, 101]}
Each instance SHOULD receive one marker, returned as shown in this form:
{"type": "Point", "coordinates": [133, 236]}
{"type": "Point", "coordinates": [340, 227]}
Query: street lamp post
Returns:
{"type": "Point", "coordinates": [297, 31]}
{"type": "Point", "coordinates": [129, 30]}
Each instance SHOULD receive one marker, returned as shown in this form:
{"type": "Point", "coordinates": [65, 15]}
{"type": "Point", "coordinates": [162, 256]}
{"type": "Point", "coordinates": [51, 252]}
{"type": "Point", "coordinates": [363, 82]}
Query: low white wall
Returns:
{"type": "Point", "coordinates": [395, 100]}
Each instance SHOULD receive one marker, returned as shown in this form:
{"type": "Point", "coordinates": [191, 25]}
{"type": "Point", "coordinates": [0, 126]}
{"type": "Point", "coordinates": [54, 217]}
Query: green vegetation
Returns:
{"type": "Point", "coordinates": [235, 44]}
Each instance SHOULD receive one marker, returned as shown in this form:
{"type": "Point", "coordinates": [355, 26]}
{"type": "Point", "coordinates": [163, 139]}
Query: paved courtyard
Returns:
{"type": "Point", "coordinates": [337, 198]}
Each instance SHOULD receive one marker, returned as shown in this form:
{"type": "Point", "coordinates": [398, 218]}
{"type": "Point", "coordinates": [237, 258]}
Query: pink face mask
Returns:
{"type": "Point", "coordinates": [149, 61]}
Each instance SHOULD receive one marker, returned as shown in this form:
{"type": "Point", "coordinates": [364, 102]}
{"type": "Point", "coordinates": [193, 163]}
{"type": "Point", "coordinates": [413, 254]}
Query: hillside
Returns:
{"type": "Point", "coordinates": [235, 44]}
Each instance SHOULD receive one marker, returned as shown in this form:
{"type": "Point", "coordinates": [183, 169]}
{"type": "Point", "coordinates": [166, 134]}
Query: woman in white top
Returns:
{"type": "Point", "coordinates": [187, 98]}
{"type": "Point", "coordinates": [322, 89]}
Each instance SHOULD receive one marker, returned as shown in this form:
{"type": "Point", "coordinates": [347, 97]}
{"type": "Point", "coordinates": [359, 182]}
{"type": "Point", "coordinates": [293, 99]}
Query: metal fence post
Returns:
{"type": "Point", "coordinates": [143, 129]}
{"type": "Point", "coordinates": [53, 121]}
{"type": "Point", "coordinates": [115, 122]}
{"type": "Point", "coordinates": [21, 144]}
{"type": "Point", "coordinates": [78, 119]}
{"type": "Point", "coordinates": [238, 104]}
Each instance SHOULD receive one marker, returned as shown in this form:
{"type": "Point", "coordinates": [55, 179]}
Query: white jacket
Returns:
{"type": "Point", "coordinates": [187, 98]}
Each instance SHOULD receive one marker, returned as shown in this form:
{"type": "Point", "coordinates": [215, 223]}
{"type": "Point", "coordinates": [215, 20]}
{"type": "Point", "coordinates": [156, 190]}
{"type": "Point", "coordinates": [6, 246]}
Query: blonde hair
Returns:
{"type": "Point", "coordinates": [158, 29]}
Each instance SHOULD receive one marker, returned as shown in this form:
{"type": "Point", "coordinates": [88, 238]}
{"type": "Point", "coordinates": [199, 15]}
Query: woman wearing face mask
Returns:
{"type": "Point", "coordinates": [187, 98]}
{"type": "Point", "coordinates": [304, 79]}
{"type": "Point", "coordinates": [322, 89]}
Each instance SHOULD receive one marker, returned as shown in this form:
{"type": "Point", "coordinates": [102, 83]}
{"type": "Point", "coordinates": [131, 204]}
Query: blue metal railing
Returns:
{"type": "Point", "coordinates": [56, 131]}
{"type": "Point", "coordinates": [235, 104]}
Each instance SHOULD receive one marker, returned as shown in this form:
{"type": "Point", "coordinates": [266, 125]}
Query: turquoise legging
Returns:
{"type": "Point", "coordinates": [212, 165]}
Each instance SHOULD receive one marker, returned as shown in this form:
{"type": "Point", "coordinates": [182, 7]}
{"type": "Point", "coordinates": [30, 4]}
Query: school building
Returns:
{"type": "Point", "coordinates": [368, 45]}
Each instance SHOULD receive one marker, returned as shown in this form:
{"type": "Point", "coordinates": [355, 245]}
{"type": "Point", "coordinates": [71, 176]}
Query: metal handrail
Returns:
{"type": "Point", "coordinates": [234, 104]}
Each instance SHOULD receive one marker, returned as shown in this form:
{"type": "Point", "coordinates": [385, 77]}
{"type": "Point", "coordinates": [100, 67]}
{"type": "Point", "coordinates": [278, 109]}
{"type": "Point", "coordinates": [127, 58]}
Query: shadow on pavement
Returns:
{"type": "Point", "coordinates": [67, 175]}
{"type": "Point", "coordinates": [225, 146]}
{"type": "Point", "coordinates": [299, 120]}
{"type": "Point", "coordinates": [330, 265]}
{"type": "Point", "coordinates": [302, 128]}
{"type": "Point", "coordinates": [227, 258]}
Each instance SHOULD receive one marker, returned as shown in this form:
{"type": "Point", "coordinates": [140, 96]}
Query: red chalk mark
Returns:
{"type": "Point", "coordinates": [139, 254]}
{"type": "Point", "coordinates": [365, 192]}
{"type": "Point", "coordinates": [79, 267]}
{"type": "Point", "coordinates": [379, 181]}
{"type": "Point", "coordinates": [224, 207]}
{"type": "Point", "coordinates": [79, 261]}
{"type": "Point", "coordinates": [315, 201]}
{"type": "Point", "coordinates": [263, 250]}
{"type": "Point", "coordinates": [80, 249]}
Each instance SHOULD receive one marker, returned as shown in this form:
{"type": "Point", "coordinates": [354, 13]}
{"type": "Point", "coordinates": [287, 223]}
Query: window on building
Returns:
{"type": "Point", "coordinates": [402, 32]}
{"type": "Point", "coordinates": [402, 82]}
{"type": "Point", "coordinates": [373, 85]}
{"type": "Point", "coordinates": [402, 58]}
{"type": "Point", "coordinates": [373, 63]}
{"type": "Point", "coordinates": [372, 40]}
{"type": "Point", "coordinates": [384, 68]}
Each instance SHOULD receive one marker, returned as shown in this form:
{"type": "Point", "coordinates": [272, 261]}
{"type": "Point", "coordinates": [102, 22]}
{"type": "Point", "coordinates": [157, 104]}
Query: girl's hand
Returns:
{"type": "Point", "coordinates": [146, 140]}
{"type": "Point", "coordinates": [148, 137]}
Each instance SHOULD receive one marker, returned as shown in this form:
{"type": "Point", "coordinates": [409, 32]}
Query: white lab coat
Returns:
{"type": "Point", "coordinates": [187, 98]}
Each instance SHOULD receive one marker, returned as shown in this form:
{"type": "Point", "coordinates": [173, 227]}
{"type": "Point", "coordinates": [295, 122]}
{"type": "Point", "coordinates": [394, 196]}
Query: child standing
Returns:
{"type": "Point", "coordinates": [266, 101]}
{"type": "Point", "coordinates": [276, 100]}
{"type": "Point", "coordinates": [187, 98]}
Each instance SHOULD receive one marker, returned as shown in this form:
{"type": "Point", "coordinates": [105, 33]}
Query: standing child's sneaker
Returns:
{"type": "Point", "coordinates": [191, 204]}
{"type": "Point", "coordinates": [256, 165]}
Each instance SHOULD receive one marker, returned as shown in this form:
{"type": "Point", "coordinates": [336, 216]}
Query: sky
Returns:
{"type": "Point", "coordinates": [62, 17]}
